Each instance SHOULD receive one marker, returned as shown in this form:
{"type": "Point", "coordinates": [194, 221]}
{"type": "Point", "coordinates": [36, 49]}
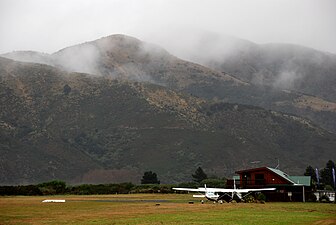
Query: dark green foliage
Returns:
{"type": "Point", "coordinates": [153, 188]}
{"type": "Point", "coordinates": [50, 188]}
{"type": "Point", "coordinates": [90, 189]}
{"type": "Point", "coordinates": [215, 183]}
{"type": "Point", "coordinates": [189, 185]}
{"type": "Point", "coordinates": [54, 187]}
{"type": "Point", "coordinates": [249, 199]}
{"type": "Point", "coordinates": [310, 171]}
{"type": "Point", "coordinates": [199, 175]}
{"type": "Point", "coordinates": [328, 187]}
{"type": "Point", "coordinates": [261, 197]}
{"type": "Point", "coordinates": [149, 178]}
{"type": "Point", "coordinates": [326, 174]}
{"type": "Point", "coordinates": [20, 190]}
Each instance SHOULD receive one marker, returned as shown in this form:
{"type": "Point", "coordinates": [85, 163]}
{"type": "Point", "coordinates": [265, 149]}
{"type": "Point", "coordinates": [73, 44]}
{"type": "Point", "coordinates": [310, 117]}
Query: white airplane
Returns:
{"type": "Point", "coordinates": [218, 194]}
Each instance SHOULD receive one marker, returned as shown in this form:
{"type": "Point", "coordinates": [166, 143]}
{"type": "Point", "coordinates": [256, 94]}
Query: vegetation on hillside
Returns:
{"type": "Point", "coordinates": [80, 128]}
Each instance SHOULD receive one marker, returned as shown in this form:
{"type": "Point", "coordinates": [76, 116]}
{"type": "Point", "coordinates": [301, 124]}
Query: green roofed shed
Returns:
{"type": "Point", "coordinates": [301, 180]}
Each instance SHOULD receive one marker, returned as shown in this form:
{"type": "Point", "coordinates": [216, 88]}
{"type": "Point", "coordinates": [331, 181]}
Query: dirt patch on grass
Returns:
{"type": "Point", "coordinates": [325, 222]}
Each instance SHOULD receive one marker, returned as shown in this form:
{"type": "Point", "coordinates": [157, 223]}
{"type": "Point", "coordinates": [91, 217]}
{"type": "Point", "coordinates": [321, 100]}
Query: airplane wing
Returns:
{"type": "Point", "coordinates": [223, 190]}
{"type": "Point", "coordinates": [215, 190]}
{"type": "Point", "coordinates": [201, 189]}
{"type": "Point", "coordinates": [188, 189]}
{"type": "Point", "coordinates": [256, 189]}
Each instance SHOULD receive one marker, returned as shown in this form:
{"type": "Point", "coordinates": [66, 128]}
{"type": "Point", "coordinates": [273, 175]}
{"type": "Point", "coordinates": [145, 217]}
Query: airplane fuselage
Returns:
{"type": "Point", "coordinates": [211, 196]}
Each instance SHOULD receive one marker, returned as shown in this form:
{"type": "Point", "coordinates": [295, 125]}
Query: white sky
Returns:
{"type": "Point", "coordinates": [50, 25]}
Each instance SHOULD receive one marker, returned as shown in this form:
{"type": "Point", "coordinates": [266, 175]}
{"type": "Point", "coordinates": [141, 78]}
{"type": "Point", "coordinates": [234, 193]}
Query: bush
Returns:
{"type": "Point", "coordinates": [146, 188]}
{"type": "Point", "coordinates": [249, 199]}
{"type": "Point", "coordinates": [261, 197]}
{"type": "Point", "coordinates": [328, 188]}
{"type": "Point", "coordinates": [149, 178]}
{"type": "Point", "coordinates": [215, 183]}
{"type": "Point", "coordinates": [53, 187]}
{"type": "Point", "coordinates": [189, 185]}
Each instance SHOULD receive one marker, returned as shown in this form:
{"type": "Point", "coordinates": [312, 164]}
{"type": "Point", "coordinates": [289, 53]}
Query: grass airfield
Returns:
{"type": "Point", "coordinates": [157, 209]}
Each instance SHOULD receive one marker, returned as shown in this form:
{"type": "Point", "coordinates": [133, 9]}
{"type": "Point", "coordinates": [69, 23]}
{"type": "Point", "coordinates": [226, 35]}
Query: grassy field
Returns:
{"type": "Point", "coordinates": [157, 209]}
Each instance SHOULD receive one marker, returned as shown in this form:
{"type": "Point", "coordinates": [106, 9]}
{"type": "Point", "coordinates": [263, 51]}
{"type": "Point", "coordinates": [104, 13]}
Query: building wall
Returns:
{"type": "Point", "coordinates": [289, 194]}
{"type": "Point", "coordinates": [260, 178]}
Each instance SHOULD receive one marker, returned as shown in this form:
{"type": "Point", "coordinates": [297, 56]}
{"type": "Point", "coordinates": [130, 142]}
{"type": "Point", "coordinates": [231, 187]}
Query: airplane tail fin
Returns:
{"type": "Point", "coordinates": [205, 189]}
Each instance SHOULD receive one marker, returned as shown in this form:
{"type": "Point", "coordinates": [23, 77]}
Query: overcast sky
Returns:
{"type": "Point", "coordinates": [50, 25]}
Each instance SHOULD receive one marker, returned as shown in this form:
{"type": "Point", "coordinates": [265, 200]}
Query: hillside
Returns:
{"type": "Point", "coordinates": [284, 78]}
{"type": "Point", "coordinates": [285, 66]}
{"type": "Point", "coordinates": [83, 128]}
{"type": "Point", "coordinates": [277, 65]}
{"type": "Point", "coordinates": [30, 56]}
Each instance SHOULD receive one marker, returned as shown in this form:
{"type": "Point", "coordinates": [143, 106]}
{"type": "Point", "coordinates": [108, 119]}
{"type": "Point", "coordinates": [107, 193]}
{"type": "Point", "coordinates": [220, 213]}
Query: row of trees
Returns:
{"type": "Point", "coordinates": [199, 178]}
{"type": "Point", "coordinates": [57, 187]}
{"type": "Point", "coordinates": [149, 184]}
{"type": "Point", "coordinates": [323, 178]}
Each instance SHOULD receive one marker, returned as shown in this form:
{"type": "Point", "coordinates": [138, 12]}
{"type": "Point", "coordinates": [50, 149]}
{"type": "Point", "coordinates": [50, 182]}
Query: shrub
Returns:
{"type": "Point", "coordinates": [215, 183]}
{"type": "Point", "coordinates": [261, 197]}
{"type": "Point", "coordinates": [249, 199]}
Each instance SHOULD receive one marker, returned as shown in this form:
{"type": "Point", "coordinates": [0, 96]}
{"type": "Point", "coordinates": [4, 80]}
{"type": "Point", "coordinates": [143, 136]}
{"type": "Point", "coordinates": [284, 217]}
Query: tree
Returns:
{"type": "Point", "coordinates": [326, 174]}
{"type": "Point", "coordinates": [53, 187]}
{"type": "Point", "coordinates": [149, 178]}
{"type": "Point", "coordinates": [311, 172]}
{"type": "Point", "coordinates": [199, 175]}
